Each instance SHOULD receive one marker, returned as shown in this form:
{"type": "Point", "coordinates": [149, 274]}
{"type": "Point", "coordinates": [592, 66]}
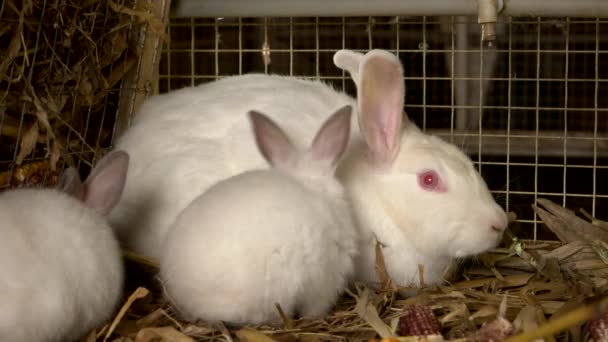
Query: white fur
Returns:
{"type": "Point", "coordinates": [417, 227]}
{"type": "Point", "coordinates": [60, 267]}
{"type": "Point", "coordinates": [262, 237]}
{"type": "Point", "coordinates": [185, 141]}
{"type": "Point", "coordinates": [61, 271]}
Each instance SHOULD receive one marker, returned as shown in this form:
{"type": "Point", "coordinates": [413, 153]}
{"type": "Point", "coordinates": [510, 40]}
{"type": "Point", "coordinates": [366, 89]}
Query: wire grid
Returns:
{"type": "Point", "coordinates": [51, 27]}
{"type": "Point", "coordinates": [531, 110]}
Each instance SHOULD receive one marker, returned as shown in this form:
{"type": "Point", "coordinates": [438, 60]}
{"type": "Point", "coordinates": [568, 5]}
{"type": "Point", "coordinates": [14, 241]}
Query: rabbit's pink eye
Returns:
{"type": "Point", "coordinates": [430, 180]}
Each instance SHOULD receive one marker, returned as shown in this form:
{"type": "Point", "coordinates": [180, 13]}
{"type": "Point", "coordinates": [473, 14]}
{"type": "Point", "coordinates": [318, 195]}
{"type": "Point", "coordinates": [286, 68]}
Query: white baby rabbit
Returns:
{"type": "Point", "coordinates": [281, 235]}
{"type": "Point", "coordinates": [420, 196]}
{"type": "Point", "coordinates": [61, 271]}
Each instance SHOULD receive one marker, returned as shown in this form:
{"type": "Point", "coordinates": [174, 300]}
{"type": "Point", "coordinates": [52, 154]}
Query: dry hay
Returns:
{"type": "Point", "coordinates": [62, 62]}
{"type": "Point", "coordinates": [521, 292]}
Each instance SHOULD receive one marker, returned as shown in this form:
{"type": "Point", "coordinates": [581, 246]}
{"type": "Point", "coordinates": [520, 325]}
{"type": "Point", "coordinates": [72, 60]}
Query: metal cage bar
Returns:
{"type": "Point", "coordinates": [312, 8]}
{"type": "Point", "coordinates": [528, 110]}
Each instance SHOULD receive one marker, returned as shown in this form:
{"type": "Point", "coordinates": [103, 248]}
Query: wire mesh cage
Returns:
{"type": "Point", "coordinates": [68, 70]}
{"type": "Point", "coordinates": [530, 110]}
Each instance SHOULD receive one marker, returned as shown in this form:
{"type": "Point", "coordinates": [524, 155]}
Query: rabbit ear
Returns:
{"type": "Point", "coordinates": [380, 96]}
{"type": "Point", "coordinates": [272, 142]}
{"type": "Point", "coordinates": [350, 61]}
{"type": "Point", "coordinates": [103, 188]}
{"type": "Point", "coordinates": [330, 142]}
{"type": "Point", "coordinates": [70, 183]}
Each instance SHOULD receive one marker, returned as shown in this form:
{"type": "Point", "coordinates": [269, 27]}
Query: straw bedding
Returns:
{"type": "Point", "coordinates": [520, 292]}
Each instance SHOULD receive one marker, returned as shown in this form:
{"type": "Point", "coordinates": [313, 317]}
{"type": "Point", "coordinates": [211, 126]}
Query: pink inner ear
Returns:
{"type": "Point", "coordinates": [272, 142]}
{"type": "Point", "coordinates": [103, 188]}
{"type": "Point", "coordinates": [330, 142]}
{"type": "Point", "coordinates": [381, 104]}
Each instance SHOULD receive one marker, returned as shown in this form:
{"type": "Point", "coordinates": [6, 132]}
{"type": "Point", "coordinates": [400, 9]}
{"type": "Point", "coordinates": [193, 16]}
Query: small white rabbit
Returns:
{"type": "Point", "coordinates": [61, 271]}
{"type": "Point", "coordinates": [418, 195]}
{"type": "Point", "coordinates": [281, 235]}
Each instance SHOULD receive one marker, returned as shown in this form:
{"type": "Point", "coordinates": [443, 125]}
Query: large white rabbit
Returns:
{"type": "Point", "coordinates": [61, 271]}
{"type": "Point", "coordinates": [282, 235]}
{"type": "Point", "coordinates": [419, 196]}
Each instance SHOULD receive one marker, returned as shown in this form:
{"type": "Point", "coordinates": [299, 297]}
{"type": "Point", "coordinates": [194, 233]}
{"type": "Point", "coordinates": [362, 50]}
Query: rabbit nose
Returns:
{"type": "Point", "coordinates": [500, 222]}
{"type": "Point", "coordinates": [498, 228]}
